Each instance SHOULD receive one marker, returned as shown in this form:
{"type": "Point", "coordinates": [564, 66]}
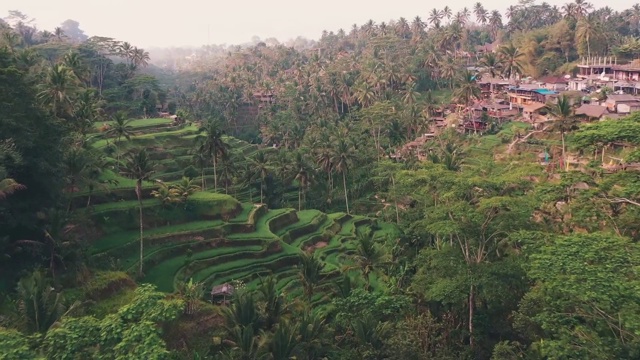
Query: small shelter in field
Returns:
{"type": "Point", "coordinates": [220, 293]}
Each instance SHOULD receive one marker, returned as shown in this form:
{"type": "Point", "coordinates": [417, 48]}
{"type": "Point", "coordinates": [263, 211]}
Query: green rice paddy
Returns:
{"type": "Point", "coordinates": [212, 237]}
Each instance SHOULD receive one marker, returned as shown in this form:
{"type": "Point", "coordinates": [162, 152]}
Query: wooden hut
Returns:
{"type": "Point", "coordinates": [220, 293]}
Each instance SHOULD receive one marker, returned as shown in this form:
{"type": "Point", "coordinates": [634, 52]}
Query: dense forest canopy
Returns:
{"type": "Point", "coordinates": [330, 199]}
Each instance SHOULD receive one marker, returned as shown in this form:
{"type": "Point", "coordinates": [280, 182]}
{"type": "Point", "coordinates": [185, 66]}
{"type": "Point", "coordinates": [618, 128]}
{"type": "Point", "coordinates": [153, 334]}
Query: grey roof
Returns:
{"type": "Point", "coordinates": [224, 289]}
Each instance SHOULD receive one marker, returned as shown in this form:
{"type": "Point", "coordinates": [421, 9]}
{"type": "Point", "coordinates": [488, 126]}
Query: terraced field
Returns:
{"type": "Point", "coordinates": [255, 242]}
{"type": "Point", "coordinates": [212, 238]}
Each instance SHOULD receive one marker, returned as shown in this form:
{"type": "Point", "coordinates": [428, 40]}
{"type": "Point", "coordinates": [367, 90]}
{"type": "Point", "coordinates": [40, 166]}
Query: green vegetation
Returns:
{"type": "Point", "coordinates": [290, 176]}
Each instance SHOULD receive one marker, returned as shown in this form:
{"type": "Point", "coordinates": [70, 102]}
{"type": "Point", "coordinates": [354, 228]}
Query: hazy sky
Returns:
{"type": "Point", "coordinates": [147, 23]}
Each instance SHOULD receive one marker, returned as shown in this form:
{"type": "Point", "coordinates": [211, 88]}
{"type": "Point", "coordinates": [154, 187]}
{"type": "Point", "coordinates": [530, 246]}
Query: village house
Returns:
{"type": "Point", "coordinates": [529, 93]}
{"type": "Point", "coordinates": [535, 113]}
{"type": "Point", "coordinates": [498, 110]}
{"type": "Point", "coordinates": [614, 101]}
{"type": "Point", "coordinates": [591, 112]}
{"type": "Point", "coordinates": [555, 83]}
{"type": "Point", "coordinates": [487, 84]}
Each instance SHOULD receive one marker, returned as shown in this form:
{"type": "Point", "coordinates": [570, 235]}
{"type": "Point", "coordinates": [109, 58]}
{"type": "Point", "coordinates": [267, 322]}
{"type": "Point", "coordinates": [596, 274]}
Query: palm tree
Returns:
{"type": "Point", "coordinates": [274, 301]}
{"type": "Point", "coordinates": [491, 64]}
{"type": "Point", "coordinates": [480, 12]}
{"type": "Point", "coordinates": [310, 272]}
{"type": "Point", "coordinates": [139, 166]}
{"type": "Point", "coordinates": [495, 22]}
{"type": "Point", "coordinates": [283, 342]}
{"type": "Point", "coordinates": [59, 33]}
{"type": "Point", "coordinates": [435, 17]}
{"type": "Point", "coordinates": [446, 12]}
{"type": "Point", "coordinates": [587, 28]}
{"type": "Point", "coordinates": [140, 57]}
{"type": "Point", "coordinates": [166, 194]}
{"type": "Point", "coordinates": [343, 158]}
{"type": "Point", "coordinates": [310, 329]}
{"type": "Point", "coordinates": [54, 243]}
{"type": "Point", "coordinates": [212, 144]}
{"type": "Point", "coordinates": [564, 121]}
{"type": "Point", "coordinates": [261, 167]}
{"type": "Point", "coordinates": [191, 292]}
{"type": "Point", "coordinates": [468, 88]}
{"type": "Point", "coordinates": [201, 160]}
{"type": "Point", "coordinates": [58, 89]}
{"type": "Point", "coordinates": [369, 256]}
{"type": "Point", "coordinates": [39, 304]}
{"type": "Point", "coordinates": [303, 175]}
{"type": "Point", "coordinates": [186, 187]}
{"type": "Point", "coordinates": [73, 61]}
{"type": "Point", "coordinates": [120, 128]}
{"type": "Point", "coordinates": [511, 59]}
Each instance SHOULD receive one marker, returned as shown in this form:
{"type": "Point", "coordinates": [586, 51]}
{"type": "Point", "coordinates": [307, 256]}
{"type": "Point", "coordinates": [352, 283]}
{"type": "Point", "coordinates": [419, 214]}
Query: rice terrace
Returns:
{"type": "Point", "coordinates": [213, 238]}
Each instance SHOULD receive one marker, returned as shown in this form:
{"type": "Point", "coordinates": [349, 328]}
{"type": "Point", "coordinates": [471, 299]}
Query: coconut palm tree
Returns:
{"type": "Point", "coordinates": [139, 57]}
{"type": "Point", "coordinates": [303, 175]}
{"type": "Point", "coordinates": [467, 89]}
{"type": "Point", "coordinates": [435, 17]}
{"type": "Point", "coordinates": [492, 64]}
{"type": "Point", "coordinates": [274, 302]}
{"type": "Point", "coordinates": [342, 159]}
{"type": "Point", "coordinates": [261, 167]}
{"type": "Point", "coordinates": [310, 272]}
{"type": "Point", "coordinates": [480, 12]}
{"type": "Point", "coordinates": [58, 88]}
{"type": "Point", "coordinates": [140, 167]}
{"type": "Point", "coordinates": [588, 27]}
{"type": "Point", "coordinates": [186, 187]}
{"type": "Point", "coordinates": [212, 144]}
{"type": "Point", "coordinates": [368, 256]}
{"type": "Point", "coordinates": [564, 121]}
{"type": "Point", "coordinates": [511, 59]}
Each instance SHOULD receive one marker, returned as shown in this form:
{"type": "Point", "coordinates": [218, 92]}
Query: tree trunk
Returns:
{"type": "Point", "coordinates": [564, 156]}
{"type": "Point", "coordinates": [215, 174]}
{"type": "Point", "coordinates": [204, 185]}
{"type": "Point", "coordinates": [395, 200]}
{"type": "Point", "coordinates": [139, 191]}
{"type": "Point", "coordinates": [344, 183]}
{"type": "Point", "coordinates": [261, 186]}
{"type": "Point", "coordinates": [471, 309]}
{"type": "Point", "coordinates": [299, 199]}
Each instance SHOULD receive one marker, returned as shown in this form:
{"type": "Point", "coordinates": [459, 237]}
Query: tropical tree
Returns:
{"type": "Point", "coordinates": [262, 168]}
{"type": "Point", "coordinates": [58, 89]}
{"type": "Point", "coordinates": [185, 188]}
{"type": "Point", "coordinates": [468, 89]}
{"type": "Point", "coordinates": [166, 194]}
{"type": "Point", "coordinates": [564, 121]}
{"type": "Point", "coordinates": [368, 256]}
{"type": "Point", "coordinates": [213, 145]}
{"type": "Point", "coordinates": [511, 59]}
{"type": "Point", "coordinates": [303, 175]}
{"type": "Point", "coordinates": [342, 159]}
{"type": "Point", "coordinates": [310, 272]}
{"type": "Point", "coordinates": [40, 305]}
{"type": "Point", "coordinates": [140, 167]}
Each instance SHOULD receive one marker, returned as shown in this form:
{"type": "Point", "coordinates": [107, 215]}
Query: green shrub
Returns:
{"type": "Point", "coordinates": [107, 283]}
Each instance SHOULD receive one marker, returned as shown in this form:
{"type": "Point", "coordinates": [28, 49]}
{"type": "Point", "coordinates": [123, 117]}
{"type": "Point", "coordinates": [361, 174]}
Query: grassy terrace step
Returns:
{"type": "Point", "coordinates": [323, 232]}
{"type": "Point", "coordinates": [273, 262]}
{"type": "Point", "coordinates": [122, 205]}
{"type": "Point", "coordinates": [139, 123]}
{"type": "Point", "coordinates": [263, 225]}
{"type": "Point", "coordinates": [305, 217]}
{"type": "Point", "coordinates": [122, 238]}
{"type": "Point", "coordinates": [163, 274]}
{"type": "Point", "coordinates": [175, 133]}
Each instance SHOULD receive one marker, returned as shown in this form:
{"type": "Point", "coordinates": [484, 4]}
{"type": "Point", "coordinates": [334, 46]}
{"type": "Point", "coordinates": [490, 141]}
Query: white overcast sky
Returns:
{"type": "Point", "coordinates": [163, 23]}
